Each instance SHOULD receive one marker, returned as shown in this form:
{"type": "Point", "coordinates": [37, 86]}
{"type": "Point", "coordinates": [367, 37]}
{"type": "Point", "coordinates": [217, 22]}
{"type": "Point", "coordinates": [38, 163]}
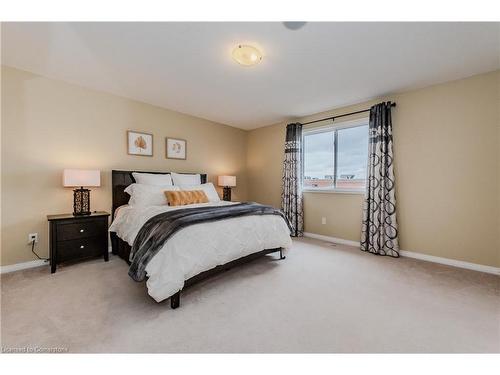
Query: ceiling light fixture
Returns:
{"type": "Point", "coordinates": [247, 55]}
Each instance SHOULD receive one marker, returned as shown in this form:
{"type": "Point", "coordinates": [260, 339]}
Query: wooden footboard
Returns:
{"type": "Point", "coordinates": [122, 249]}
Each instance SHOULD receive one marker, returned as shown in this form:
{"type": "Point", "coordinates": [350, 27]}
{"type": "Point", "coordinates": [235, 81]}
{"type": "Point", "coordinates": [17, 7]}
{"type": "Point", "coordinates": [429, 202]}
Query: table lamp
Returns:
{"type": "Point", "coordinates": [81, 196]}
{"type": "Point", "coordinates": [227, 182]}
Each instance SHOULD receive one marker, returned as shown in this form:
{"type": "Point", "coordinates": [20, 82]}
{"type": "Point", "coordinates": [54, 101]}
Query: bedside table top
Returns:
{"type": "Point", "coordinates": [71, 216]}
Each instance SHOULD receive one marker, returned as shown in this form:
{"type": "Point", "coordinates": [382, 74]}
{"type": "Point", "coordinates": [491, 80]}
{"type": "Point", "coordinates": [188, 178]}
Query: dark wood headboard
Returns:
{"type": "Point", "coordinates": [121, 179]}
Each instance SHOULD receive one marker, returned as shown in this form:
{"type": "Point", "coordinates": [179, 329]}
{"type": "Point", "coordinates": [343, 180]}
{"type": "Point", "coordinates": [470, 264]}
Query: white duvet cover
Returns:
{"type": "Point", "coordinates": [199, 247]}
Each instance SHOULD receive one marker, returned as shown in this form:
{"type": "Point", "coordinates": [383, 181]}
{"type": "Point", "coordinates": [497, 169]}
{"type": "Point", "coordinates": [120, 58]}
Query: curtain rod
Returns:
{"type": "Point", "coordinates": [345, 114]}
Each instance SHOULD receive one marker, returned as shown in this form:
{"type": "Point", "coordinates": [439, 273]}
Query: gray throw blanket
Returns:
{"type": "Point", "coordinates": [157, 230]}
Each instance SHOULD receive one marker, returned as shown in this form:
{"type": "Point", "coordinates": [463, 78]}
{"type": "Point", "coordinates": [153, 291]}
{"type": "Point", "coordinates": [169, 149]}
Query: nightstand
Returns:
{"type": "Point", "coordinates": [77, 237]}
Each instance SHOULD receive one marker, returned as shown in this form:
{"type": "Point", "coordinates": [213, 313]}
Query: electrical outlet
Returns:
{"type": "Point", "coordinates": [323, 220]}
{"type": "Point", "coordinates": [32, 236]}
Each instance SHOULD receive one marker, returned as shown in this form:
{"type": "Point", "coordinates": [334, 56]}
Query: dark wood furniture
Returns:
{"type": "Point", "coordinates": [120, 181]}
{"type": "Point", "coordinates": [77, 237]}
{"type": "Point", "coordinates": [226, 193]}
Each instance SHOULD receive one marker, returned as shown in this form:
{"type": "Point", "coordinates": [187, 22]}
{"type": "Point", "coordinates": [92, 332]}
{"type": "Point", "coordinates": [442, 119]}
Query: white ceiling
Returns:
{"type": "Point", "coordinates": [187, 67]}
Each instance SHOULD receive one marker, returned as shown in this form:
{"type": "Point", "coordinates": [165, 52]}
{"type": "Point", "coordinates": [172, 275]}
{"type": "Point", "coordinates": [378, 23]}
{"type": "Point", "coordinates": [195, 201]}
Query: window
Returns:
{"type": "Point", "coordinates": [335, 158]}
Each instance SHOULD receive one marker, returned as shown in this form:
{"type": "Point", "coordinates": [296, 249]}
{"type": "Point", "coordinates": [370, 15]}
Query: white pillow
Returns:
{"type": "Point", "coordinates": [186, 179]}
{"type": "Point", "coordinates": [209, 190]}
{"type": "Point", "coordinates": [152, 179]}
{"type": "Point", "coordinates": [148, 195]}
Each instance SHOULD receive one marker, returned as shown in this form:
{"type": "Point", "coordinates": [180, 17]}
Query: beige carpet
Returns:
{"type": "Point", "coordinates": [322, 298]}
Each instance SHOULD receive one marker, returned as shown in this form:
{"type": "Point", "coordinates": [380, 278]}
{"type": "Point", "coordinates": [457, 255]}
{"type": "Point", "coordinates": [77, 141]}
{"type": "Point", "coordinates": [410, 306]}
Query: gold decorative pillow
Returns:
{"type": "Point", "coordinates": [181, 198]}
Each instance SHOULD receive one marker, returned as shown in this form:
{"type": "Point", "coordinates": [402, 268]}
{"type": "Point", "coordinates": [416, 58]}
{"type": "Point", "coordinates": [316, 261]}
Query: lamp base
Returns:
{"type": "Point", "coordinates": [81, 202]}
{"type": "Point", "coordinates": [226, 193]}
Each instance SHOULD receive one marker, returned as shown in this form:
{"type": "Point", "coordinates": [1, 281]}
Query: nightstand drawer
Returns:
{"type": "Point", "coordinates": [77, 237]}
{"type": "Point", "coordinates": [81, 248]}
{"type": "Point", "coordinates": [82, 229]}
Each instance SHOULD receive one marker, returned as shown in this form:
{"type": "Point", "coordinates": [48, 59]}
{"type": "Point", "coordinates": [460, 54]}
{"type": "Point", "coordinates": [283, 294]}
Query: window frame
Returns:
{"type": "Point", "coordinates": [363, 121]}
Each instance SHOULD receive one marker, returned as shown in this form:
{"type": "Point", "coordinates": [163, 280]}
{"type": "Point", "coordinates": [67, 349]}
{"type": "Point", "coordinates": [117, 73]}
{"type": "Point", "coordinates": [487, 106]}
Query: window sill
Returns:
{"type": "Point", "coordinates": [335, 191]}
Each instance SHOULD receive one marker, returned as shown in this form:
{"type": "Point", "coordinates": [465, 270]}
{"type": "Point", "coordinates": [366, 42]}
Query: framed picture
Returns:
{"type": "Point", "coordinates": [139, 143]}
{"type": "Point", "coordinates": [176, 148]}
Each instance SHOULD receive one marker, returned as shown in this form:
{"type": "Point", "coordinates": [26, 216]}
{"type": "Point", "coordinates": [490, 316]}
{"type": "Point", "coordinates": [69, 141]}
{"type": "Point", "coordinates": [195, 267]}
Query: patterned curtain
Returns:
{"type": "Point", "coordinates": [379, 234]}
{"type": "Point", "coordinates": [291, 194]}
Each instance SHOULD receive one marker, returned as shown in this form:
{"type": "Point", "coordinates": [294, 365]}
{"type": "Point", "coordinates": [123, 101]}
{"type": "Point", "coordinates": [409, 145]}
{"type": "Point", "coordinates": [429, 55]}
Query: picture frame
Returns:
{"type": "Point", "coordinates": [139, 143]}
{"type": "Point", "coordinates": [175, 148]}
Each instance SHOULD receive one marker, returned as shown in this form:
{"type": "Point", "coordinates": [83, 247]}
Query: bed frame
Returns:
{"type": "Point", "coordinates": [120, 181]}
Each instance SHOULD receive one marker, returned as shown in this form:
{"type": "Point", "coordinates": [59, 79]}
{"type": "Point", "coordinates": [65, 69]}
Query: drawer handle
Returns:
{"type": "Point", "coordinates": [82, 247]}
{"type": "Point", "coordinates": [82, 230]}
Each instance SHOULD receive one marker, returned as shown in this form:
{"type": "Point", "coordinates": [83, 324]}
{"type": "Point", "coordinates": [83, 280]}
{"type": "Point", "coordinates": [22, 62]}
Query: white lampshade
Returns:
{"type": "Point", "coordinates": [81, 177]}
{"type": "Point", "coordinates": [227, 181]}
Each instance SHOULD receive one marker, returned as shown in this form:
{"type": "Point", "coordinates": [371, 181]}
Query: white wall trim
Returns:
{"type": "Point", "coordinates": [26, 265]}
{"type": "Point", "coordinates": [415, 255]}
{"type": "Point", "coordinates": [331, 239]}
{"type": "Point", "coordinates": [334, 191]}
{"type": "Point", "coordinates": [451, 262]}
{"type": "Point", "coordinates": [23, 266]}
{"type": "Point", "coordinates": [408, 254]}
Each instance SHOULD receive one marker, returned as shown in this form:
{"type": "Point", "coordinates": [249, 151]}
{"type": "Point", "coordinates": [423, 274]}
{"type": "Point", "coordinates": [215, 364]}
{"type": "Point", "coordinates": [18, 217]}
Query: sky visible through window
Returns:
{"type": "Point", "coordinates": [318, 155]}
{"type": "Point", "coordinates": [352, 152]}
{"type": "Point", "coordinates": [352, 155]}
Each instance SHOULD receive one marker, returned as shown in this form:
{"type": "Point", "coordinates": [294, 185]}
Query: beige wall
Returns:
{"type": "Point", "coordinates": [49, 125]}
{"type": "Point", "coordinates": [447, 163]}
{"type": "Point", "coordinates": [447, 149]}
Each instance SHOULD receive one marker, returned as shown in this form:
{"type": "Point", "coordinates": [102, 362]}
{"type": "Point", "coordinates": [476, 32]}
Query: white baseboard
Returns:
{"type": "Point", "coordinates": [331, 239]}
{"type": "Point", "coordinates": [411, 254]}
{"type": "Point", "coordinates": [451, 262]}
{"type": "Point", "coordinates": [404, 253]}
{"type": "Point", "coordinates": [26, 265]}
{"type": "Point", "coordinates": [23, 266]}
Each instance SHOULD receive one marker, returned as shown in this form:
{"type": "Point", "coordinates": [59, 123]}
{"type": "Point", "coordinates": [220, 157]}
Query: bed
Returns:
{"type": "Point", "coordinates": [194, 252]}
